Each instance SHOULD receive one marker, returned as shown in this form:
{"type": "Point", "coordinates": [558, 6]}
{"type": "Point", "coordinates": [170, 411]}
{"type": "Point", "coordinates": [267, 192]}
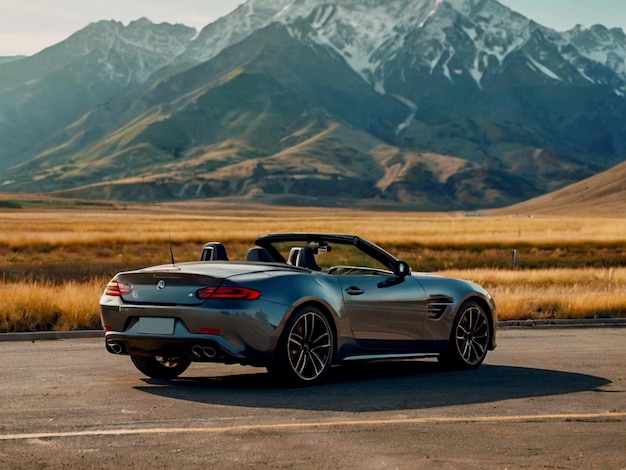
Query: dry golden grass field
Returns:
{"type": "Point", "coordinates": [56, 257]}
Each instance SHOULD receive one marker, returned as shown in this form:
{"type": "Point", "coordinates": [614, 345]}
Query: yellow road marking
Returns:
{"type": "Point", "coordinates": [319, 424]}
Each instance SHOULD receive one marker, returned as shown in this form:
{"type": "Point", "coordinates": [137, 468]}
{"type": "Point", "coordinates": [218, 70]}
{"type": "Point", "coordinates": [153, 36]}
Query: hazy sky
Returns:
{"type": "Point", "coordinates": [28, 26]}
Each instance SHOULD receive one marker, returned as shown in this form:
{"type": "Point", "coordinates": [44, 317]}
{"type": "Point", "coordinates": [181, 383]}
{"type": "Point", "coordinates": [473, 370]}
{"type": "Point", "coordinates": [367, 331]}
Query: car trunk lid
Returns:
{"type": "Point", "coordinates": [164, 287]}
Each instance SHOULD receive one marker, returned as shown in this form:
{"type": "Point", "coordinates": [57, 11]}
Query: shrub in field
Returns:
{"type": "Point", "coordinates": [23, 309]}
{"type": "Point", "coordinates": [78, 305]}
{"type": "Point", "coordinates": [553, 293]}
{"type": "Point", "coordinates": [41, 306]}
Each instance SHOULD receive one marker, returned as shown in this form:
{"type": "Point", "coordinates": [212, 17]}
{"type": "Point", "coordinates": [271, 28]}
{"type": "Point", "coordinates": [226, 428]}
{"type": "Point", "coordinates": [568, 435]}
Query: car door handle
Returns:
{"type": "Point", "coordinates": [352, 290]}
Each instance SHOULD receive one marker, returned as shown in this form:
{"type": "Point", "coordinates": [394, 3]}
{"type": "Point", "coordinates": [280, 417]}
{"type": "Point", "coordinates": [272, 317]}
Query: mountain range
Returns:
{"type": "Point", "coordinates": [432, 104]}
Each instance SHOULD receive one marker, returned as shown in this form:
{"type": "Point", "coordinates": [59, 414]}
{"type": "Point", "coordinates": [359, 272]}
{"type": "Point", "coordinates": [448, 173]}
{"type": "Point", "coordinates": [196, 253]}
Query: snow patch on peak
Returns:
{"type": "Point", "coordinates": [599, 44]}
{"type": "Point", "coordinates": [431, 13]}
{"type": "Point", "coordinates": [284, 11]}
{"type": "Point", "coordinates": [542, 68]}
{"type": "Point", "coordinates": [366, 33]}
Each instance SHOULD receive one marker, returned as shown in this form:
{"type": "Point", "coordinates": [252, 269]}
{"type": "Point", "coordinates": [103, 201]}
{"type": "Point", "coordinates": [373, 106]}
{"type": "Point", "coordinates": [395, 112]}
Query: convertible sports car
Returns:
{"type": "Point", "coordinates": [299, 303]}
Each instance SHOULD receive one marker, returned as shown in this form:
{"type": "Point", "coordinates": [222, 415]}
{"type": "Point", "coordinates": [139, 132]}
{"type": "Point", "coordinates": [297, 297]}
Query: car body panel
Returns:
{"type": "Point", "coordinates": [382, 310]}
{"type": "Point", "coordinates": [374, 312]}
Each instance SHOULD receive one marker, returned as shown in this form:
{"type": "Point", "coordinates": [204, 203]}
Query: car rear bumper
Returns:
{"type": "Point", "coordinates": [180, 343]}
{"type": "Point", "coordinates": [244, 332]}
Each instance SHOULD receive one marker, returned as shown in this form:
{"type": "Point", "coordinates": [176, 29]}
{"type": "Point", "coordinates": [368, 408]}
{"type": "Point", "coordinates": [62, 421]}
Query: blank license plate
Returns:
{"type": "Point", "coordinates": [156, 326]}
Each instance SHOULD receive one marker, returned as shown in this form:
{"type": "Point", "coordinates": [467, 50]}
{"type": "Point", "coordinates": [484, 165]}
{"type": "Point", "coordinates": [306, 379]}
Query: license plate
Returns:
{"type": "Point", "coordinates": [155, 326]}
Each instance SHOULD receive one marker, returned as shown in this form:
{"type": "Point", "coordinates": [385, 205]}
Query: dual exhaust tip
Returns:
{"type": "Point", "coordinates": [204, 352]}
{"type": "Point", "coordinates": [201, 352]}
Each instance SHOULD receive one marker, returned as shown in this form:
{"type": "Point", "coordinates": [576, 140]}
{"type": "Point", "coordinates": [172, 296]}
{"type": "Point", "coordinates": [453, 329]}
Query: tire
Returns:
{"type": "Point", "coordinates": [158, 367]}
{"type": "Point", "coordinates": [305, 350]}
{"type": "Point", "coordinates": [469, 339]}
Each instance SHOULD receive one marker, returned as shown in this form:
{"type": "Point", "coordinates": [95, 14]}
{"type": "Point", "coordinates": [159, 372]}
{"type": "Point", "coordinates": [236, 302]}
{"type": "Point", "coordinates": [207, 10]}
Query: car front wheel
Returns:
{"type": "Point", "coordinates": [470, 338]}
{"type": "Point", "coordinates": [305, 351]}
{"type": "Point", "coordinates": [158, 367]}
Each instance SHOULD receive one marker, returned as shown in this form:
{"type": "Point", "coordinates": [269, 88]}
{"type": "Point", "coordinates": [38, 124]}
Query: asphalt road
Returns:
{"type": "Point", "coordinates": [547, 398]}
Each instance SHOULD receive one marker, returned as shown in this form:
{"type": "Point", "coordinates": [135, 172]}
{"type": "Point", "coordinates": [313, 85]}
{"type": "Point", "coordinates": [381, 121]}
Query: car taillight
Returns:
{"type": "Point", "coordinates": [227, 292]}
{"type": "Point", "coordinates": [117, 289]}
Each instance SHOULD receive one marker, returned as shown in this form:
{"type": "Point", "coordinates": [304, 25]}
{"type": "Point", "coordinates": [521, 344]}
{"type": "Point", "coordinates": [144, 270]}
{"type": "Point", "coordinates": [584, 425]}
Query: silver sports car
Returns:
{"type": "Point", "coordinates": [299, 303]}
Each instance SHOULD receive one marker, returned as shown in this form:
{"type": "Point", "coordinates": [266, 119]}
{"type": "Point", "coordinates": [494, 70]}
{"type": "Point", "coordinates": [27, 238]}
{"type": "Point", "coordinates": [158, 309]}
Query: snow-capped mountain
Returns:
{"type": "Point", "coordinates": [107, 51]}
{"type": "Point", "coordinates": [370, 36]}
{"type": "Point", "coordinates": [231, 29]}
{"type": "Point", "coordinates": [42, 94]}
{"type": "Point", "coordinates": [131, 53]}
{"type": "Point", "coordinates": [440, 103]}
{"type": "Point", "coordinates": [475, 38]}
{"type": "Point", "coordinates": [602, 46]}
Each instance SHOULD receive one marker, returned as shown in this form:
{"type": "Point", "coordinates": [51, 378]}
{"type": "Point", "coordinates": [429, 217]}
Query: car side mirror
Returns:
{"type": "Point", "coordinates": [401, 268]}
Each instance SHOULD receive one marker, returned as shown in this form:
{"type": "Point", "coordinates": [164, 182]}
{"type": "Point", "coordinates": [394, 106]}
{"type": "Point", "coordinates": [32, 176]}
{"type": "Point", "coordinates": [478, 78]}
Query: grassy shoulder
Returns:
{"type": "Point", "coordinates": [54, 263]}
{"type": "Point", "coordinates": [32, 305]}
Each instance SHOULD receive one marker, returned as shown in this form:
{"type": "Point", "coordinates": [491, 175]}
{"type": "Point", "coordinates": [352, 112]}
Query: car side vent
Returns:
{"type": "Point", "coordinates": [438, 305]}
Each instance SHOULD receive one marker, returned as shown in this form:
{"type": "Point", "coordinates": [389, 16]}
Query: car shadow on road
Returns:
{"type": "Point", "coordinates": [379, 387]}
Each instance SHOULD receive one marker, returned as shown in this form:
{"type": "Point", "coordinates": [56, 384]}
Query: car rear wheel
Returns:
{"type": "Point", "coordinates": [158, 367]}
{"type": "Point", "coordinates": [305, 351]}
{"type": "Point", "coordinates": [470, 338]}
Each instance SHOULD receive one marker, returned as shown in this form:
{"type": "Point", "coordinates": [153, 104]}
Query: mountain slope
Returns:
{"type": "Point", "coordinates": [245, 107]}
{"type": "Point", "coordinates": [442, 104]}
{"type": "Point", "coordinates": [602, 195]}
{"type": "Point", "coordinates": [42, 94]}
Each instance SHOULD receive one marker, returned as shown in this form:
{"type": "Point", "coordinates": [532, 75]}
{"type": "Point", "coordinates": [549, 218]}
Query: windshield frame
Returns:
{"type": "Point", "coordinates": [317, 240]}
